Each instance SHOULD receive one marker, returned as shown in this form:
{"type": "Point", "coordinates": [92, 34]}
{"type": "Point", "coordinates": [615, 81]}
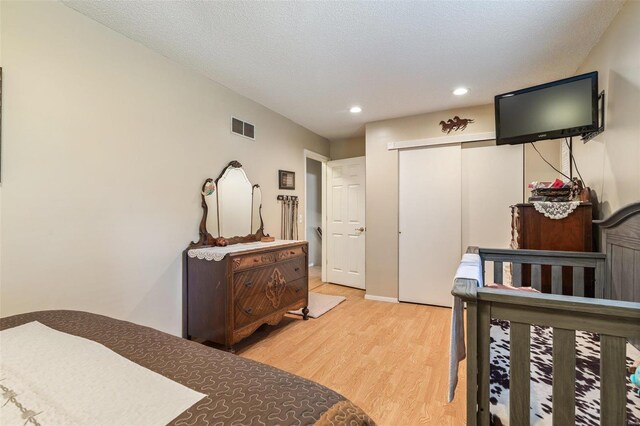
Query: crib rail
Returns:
{"type": "Point", "coordinates": [579, 261]}
{"type": "Point", "coordinates": [614, 321]}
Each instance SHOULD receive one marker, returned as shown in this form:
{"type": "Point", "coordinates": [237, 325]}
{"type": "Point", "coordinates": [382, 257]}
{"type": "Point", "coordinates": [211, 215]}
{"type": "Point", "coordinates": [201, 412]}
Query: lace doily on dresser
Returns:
{"type": "Point", "coordinates": [218, 253]}
{"type": "Point", "coordinates": [555, 210]}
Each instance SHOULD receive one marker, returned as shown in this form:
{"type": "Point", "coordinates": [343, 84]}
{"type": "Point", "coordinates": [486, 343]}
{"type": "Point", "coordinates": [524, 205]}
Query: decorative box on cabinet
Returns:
{"type": "Point", "coordinates": [227, 300]}
{"type": "Point", "coordinates": [534, 231]}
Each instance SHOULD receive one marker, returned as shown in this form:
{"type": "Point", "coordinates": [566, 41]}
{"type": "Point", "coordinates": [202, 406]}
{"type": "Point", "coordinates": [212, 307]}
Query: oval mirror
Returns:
{"type": "Point", "coordinates": [211, 199]}
{"type": "Point", "coordinates": [256, 210]}
{"type": "Point", "coordinates": [235, 194]}
{"type": "Point", "coordinates": [232, 209]}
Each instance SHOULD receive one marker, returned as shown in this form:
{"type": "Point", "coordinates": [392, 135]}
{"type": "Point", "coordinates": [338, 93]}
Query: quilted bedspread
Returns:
{"type": "Point", "coordinates": [238, 391]}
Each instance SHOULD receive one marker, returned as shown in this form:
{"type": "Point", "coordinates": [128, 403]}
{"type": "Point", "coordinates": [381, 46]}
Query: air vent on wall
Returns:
{"type": "Point", "coordinates": [243, 128]}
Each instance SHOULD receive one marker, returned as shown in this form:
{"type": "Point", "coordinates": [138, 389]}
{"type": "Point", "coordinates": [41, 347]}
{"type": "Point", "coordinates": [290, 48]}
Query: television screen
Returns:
{"type": "Point", "coordinates": [554, 110]}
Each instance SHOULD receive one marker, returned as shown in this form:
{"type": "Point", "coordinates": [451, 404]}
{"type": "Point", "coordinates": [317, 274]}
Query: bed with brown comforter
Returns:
{"type": "Point", "coordinates": [239, 391]}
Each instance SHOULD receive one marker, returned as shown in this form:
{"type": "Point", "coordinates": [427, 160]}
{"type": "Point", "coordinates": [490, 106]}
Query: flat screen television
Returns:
{"type": "Point", "coordinates": [563, 108]}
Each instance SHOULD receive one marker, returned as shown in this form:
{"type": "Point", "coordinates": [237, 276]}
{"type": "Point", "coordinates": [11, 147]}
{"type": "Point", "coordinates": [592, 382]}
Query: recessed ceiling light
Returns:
{"type": "Point", "coordinates": [355, 110]}
{"type": "Point", "coordinates": [460, 91]}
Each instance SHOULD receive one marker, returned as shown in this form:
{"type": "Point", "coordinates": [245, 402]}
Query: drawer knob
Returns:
{"type": "Point", "coordinates": [256, 260]}
{"type": "Point", "coordinates": [297, 269]}
{"type": "Point", "coordinates": [249, 310]}
{"type": "Point", "coordinates": [248, 284]}
{"type": "Point", "coordinates": [292, 252]}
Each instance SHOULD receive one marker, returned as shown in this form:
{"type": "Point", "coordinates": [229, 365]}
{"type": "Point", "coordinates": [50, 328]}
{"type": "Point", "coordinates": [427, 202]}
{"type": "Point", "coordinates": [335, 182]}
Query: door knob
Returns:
{"type": "Point", "coordinates": [361, 229]}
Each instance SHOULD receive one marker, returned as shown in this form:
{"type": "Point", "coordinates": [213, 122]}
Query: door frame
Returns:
{"type": "Point", "coordinates": [323, 222]}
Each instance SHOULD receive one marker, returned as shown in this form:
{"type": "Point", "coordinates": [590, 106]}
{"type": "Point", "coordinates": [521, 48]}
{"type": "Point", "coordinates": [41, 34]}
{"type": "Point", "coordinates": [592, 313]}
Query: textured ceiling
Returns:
{"type": "Point", "coordinates": [311, 61]}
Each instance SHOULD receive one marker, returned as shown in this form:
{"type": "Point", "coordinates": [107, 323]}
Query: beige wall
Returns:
{"type": "Point", "coordinates": [347, 148]}
{"type": "Point", "coordinates": [1, 161]}
{"type": "Point", "coordinates": [105, 146]}
{"type": "Point", "coordinates": [535, 169]}
{"type": "Point", "coordinates": [610, 164]}
{"type": "Point", "coordinates": [382, 187]}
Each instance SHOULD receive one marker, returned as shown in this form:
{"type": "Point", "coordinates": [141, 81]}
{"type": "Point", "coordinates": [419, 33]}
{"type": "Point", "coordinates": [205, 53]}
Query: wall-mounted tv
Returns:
{"type": "Point", "coordinates": [559, 109]}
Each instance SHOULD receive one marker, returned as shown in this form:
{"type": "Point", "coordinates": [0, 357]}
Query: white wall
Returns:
{"type": "Point", "coordinates": [314, 210]}
{"type": "Point", "coordinates": [535, 169]}
{"type": "Point", "coordinates": [610, 163]}
{"type": "Point", "coordinates": [105, 147]}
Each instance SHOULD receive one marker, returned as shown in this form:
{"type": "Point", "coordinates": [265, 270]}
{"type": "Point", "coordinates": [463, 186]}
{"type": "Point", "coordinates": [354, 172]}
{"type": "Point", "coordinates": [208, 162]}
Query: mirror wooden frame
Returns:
{"type": "Point", "coordinates": [206, 239]}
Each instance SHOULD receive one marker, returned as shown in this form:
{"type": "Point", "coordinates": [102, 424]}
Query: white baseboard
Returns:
{"type": "Point", "coordinates": [381, 298]}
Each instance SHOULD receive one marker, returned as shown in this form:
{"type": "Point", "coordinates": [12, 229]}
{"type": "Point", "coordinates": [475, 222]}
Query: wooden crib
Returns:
{"type": "Point", "coordinates": [614, 314]}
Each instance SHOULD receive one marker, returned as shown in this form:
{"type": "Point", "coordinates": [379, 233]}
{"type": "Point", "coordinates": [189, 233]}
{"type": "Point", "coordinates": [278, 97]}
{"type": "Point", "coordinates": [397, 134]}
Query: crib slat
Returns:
{"type": "Point", "coordinates": [517, 274]}
{"type": "Point", "coordinates": [578, 281]}
{"type": "Point", "coordinates": [602, 292]}
{"type": "Point", "coordinates": [497, 272]}
{"type": "Point", "coordinates": [519, 374]}
{"type": "Point", "coordinates": [556, 279]}
{"type": "Point", "coordinates": [536, 281]}
{"type": "Point", "coordinates": [472, 364]}
{"type": "Point", "coordinates": [564, 377]}
{"type": "Point", "coordinates": [484, 324]}
{"type": "Point", "coordinates": [613, 397]}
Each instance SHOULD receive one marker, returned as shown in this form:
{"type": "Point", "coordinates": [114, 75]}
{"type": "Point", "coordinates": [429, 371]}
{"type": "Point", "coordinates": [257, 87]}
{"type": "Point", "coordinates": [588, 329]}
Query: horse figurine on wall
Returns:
{"type": "Point", "coordinates": [456, 124]}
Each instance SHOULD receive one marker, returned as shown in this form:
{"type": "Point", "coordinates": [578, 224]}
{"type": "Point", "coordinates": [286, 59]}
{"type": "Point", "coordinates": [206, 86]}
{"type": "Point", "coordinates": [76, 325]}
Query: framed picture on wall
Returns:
{"type": "Point", "coordinates": [286, 179]}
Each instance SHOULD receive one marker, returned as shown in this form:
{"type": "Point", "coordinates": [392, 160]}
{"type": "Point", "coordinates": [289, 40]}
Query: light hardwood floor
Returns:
{"type": "Point", "coordinates": [389, 359]}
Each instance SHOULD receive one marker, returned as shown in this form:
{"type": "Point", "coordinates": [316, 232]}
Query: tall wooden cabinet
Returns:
{"type": "Point", "coordinates": [534, 231]}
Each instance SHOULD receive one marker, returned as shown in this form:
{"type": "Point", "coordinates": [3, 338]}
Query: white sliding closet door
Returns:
{"type": "Point", "coordinates": [492, 180]}
{"type": "Point", "coordinates": [452, 197]}
{"type": "Point", "coordinates": [430, 223]}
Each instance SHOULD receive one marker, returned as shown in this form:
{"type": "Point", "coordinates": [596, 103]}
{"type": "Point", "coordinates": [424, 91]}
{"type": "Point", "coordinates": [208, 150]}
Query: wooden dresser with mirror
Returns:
{"type": "Point", "coordinates": [233, 281]}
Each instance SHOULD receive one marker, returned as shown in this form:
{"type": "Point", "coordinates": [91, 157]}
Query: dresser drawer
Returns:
{"type": "Point", "coordinates": [255, 260]}
{"type": "Point", "coordinates": [256, 297]}
{"type": "Point", "coordinates": [290, 270]}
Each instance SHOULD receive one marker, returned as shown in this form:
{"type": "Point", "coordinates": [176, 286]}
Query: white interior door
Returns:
{"type": "Point", "coordinates": [346, 224]}
{"type": "Point", "coordinates": [430, 223]}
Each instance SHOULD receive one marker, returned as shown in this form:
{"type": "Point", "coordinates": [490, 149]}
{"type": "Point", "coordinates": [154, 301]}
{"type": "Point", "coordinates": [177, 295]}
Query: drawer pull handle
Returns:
{"type": "Point", "coordinates": [256, 260]}
{"type": "Point", "coordinates": [297, 269]}
{"type": "Point", "coordinates": [248, 284]}
{"type": "Point", "coordinates": [249, 311]}
{"type": "Point", "coordinates": [292, 252]}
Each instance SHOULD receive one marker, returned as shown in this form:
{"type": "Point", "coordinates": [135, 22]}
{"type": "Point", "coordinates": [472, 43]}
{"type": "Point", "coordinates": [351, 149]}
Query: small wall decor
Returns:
{"type": "Point", "coordinates": [455, 124]}
{"type": "Point", "coordinates": [286, 179]}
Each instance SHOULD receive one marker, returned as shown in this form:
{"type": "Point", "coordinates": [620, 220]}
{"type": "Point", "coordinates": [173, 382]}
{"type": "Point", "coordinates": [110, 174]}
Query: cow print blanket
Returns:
{"type": "Point", "coordinates": [587, 377]}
